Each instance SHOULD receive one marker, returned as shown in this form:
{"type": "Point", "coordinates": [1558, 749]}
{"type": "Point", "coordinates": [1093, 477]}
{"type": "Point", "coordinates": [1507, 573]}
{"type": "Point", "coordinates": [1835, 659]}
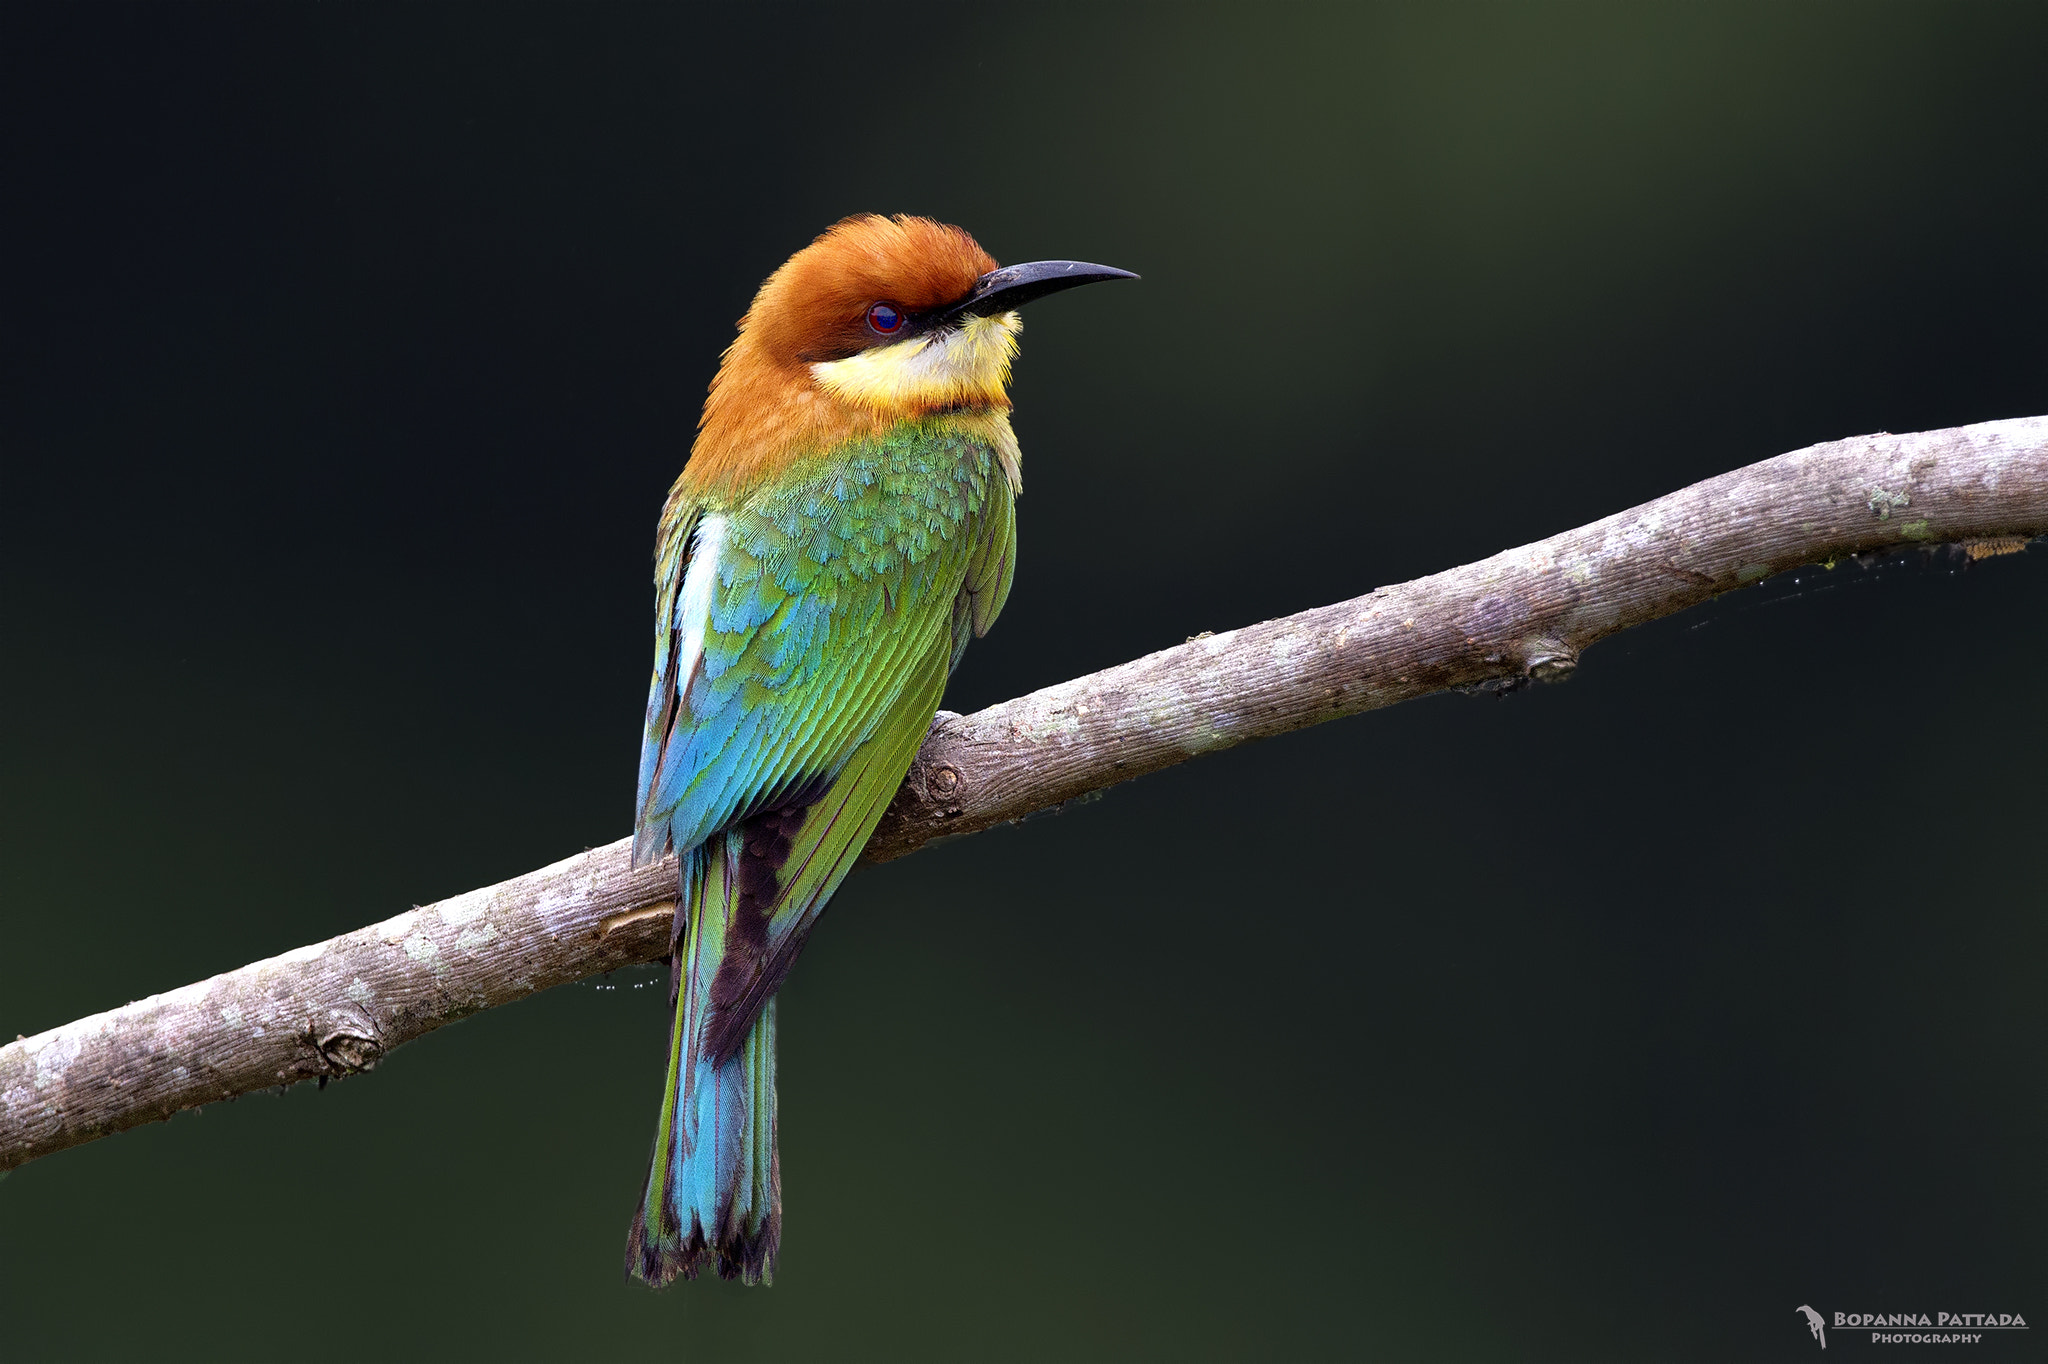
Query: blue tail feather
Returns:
{"type": "Point", "coordinates": [714, 1187]}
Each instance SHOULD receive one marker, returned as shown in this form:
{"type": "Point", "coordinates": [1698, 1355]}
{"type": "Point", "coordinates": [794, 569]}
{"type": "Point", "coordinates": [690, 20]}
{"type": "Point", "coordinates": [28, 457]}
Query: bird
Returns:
{"type": "Point", "coordinates": [844, 525]}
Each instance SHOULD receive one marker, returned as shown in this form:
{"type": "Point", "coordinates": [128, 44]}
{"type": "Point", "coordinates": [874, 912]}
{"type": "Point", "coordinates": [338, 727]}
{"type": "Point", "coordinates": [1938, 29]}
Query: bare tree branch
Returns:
{"type": "Point", "coordinates": [336, 1007]}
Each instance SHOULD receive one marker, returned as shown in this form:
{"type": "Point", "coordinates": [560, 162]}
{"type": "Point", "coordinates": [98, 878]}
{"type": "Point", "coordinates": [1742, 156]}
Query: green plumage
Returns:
{"type": "Point", "coordinates": [804, 633]}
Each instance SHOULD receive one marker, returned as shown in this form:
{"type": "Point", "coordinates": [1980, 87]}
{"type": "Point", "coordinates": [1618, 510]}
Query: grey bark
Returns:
{"type": "Point", "coordinates": [335, 1008]}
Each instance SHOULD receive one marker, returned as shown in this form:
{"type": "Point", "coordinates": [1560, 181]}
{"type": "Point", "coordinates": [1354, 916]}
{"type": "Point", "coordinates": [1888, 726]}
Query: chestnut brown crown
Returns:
{"type": "Point", "coordinates": [816, 306]}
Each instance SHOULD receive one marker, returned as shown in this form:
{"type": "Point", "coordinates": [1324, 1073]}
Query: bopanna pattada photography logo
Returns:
{"type": "Point", "coordinates": [1912, 1328]}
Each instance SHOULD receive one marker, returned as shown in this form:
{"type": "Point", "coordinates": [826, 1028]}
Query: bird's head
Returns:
{"type": "Point", "coordinates": [877, 322]}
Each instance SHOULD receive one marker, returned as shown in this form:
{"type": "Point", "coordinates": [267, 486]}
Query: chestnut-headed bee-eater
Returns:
{"type": "Point", "coordinates": [844, 525]}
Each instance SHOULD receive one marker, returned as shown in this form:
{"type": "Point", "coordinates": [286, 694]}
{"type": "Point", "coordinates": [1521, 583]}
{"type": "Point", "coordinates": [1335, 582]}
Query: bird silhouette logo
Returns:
{"type": "Point", "coordinates": [1816, 1325]}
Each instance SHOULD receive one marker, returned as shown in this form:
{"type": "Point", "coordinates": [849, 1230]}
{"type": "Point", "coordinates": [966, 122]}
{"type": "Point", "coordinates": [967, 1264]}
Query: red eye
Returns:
{"type": "Point", "coordinates": [884, 318]}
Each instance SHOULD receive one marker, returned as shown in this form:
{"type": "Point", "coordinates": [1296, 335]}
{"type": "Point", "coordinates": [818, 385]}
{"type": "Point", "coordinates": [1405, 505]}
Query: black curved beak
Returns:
{"type": "Point", "coordinates": [1013, 286]}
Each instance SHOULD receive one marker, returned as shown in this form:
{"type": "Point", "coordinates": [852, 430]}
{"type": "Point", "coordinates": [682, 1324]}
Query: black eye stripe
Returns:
{"type": "Point", "coordinates": [859, 334]}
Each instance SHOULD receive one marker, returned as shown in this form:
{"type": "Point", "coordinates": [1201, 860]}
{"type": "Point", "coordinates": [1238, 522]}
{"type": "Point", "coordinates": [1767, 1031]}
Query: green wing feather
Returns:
{"type": "Point", "coordinates": [794, 859]}
{"type": "Point", "coordinates": [795, 701]}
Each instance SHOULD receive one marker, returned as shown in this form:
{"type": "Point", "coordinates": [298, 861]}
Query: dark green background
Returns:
{"type": "Point", "coordinates": [349, 352]}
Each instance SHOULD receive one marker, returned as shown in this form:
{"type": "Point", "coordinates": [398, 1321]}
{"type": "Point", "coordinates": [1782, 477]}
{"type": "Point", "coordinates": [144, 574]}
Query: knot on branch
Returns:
{"type": "Point", "coordinates": [343, 1052]}
{"type": "Point", "coordinates": [1549, 660]}
{"type": "Point", "coordinates": [941, 784]}
{"type": "Point", "coordinates": [1538, 659]}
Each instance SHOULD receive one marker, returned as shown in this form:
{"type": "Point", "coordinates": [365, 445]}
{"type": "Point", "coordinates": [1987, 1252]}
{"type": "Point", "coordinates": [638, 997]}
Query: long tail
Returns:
{"type": "Point", "coordinates": [745, 902]}
{"type": "Point", "coordinates": [714, 1190]}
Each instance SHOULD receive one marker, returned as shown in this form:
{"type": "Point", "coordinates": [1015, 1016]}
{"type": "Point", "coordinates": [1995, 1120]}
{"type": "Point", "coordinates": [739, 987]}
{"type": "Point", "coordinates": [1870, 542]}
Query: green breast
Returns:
{"type": "Point", "coordinates": [889, 510]}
